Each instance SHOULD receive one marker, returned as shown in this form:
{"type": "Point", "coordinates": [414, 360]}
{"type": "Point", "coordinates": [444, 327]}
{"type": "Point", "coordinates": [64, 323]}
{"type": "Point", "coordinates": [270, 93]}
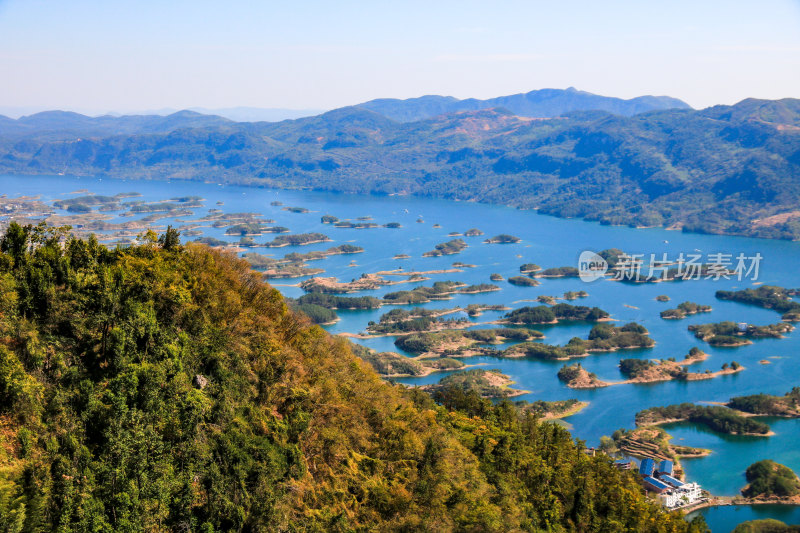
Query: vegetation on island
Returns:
{"type": "Point", "coordinates": [495, 277]}
{"type": "Point", "coordinates": [391, 364]}
{"type": "Point", "coordinates": [460, 343]}
{"type": "Point", "coordinates": [685, 309]}
{"type": "Point", "coordinates": [553, 409]}
{"type": "Point", "coordinates": [331, 301]}
{"type": "Point", "coordinates": [650, 441]}
{"type": "Point", "coordinates": [328, 219]}
{"type": "Point", "coordinates": [768, 479]}
{"type": "Point", "coordinates": [440, 290]}
{"type": "Point", "coordinates": [577, 377]}
{"type": "Point", "coordinates": [768, 297]}
{"type": "Point", "coordinates": [543, 314]}
{"type": "Point", "coordinates": [767, 404]}
{"type": "Point", "coordinates": [484, 383]}
{"type": "Point", "coordinates": [503, 238]}
{"type": "Point", "coordinates": [355, 225]}
{"type": "Point", "coordinates": [296, 209]}
{"type": "Point", "coordinates": [254, 228]}
{"type": "Point", "coordinates": [662, 298]}
{"type": "Point", "coordinates": [602, 338]}
{"type": "Point", "coordinates": [558, 272]}
{"type": "Point", "coordinates": [574, 295]}
{"type": "Point", "coordinates": [731, 334]}
{"type": "Point", "coordinates": [523, 281]}
{"type": "Point", "coordinates": [473, 232]}
{"type": "Point", "coordinates": [527, 268]}
{"type": "Point", "coordinates": [716, 418]}
{"type": "Point", "coordinates": [165, 387]}
{"type": "Point", "coordinates": [297, 240]}
{"type": "Point", "coordinates": [765, 525]}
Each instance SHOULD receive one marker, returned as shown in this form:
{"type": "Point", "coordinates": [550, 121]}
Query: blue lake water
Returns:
{"type": "Point", "coordinates": [549, 242]}
{"type": "Point", "coordinates": [724, 519]}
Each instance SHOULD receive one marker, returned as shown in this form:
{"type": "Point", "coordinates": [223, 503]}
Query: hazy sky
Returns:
{"type": "Point", "coordinates": [95, 55]}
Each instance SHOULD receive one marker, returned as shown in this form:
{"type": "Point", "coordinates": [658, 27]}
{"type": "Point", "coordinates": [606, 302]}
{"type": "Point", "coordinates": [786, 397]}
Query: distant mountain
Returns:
{"type": "Point", "coordinates": [540, 104]}
{"type": "Point", "coordinates": [725, 169]}
{"type": "Point", "coordinates": [66, 124]}
{"type": "Point", "coordinates": [258, 114]}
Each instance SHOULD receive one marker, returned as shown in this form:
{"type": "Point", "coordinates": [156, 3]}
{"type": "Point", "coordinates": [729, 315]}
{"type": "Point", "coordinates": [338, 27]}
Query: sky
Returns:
{"type": "Point", "coordinates": [130, 56]}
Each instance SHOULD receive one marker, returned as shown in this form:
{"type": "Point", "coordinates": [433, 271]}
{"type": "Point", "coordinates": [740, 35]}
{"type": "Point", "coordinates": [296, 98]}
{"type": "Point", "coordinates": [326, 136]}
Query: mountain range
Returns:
{"type": "Point", "coordinates": [725, 169]}
{"type": "Point", "coordinates": [541, 103]}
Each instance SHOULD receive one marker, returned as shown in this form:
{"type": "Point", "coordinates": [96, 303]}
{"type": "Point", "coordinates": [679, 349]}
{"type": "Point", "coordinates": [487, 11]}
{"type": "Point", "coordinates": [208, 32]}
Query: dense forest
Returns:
{"type": "Point", "coordinates": [166, 387]}
{"type": "Point", "coordinates": [725, 169]}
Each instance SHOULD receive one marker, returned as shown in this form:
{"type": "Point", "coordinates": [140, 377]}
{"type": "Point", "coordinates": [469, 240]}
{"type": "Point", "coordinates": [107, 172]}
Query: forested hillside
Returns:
{"type": "Point", "coordinates": [725, 169]}
{"type": "Point", "coordinates": [166, 387]}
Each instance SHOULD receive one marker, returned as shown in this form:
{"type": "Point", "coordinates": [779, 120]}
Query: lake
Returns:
{"type": "Point", "coordinates": [549, 242]}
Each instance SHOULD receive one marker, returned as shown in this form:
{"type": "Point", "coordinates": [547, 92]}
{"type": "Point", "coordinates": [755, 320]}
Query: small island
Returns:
{"type": "Point", "coordinates": [551, 410]}
{"type": "Point", "coordinates": [527, 268]}
{"type": "Point", "coordinates": [394, 365]}
{"type": "Point", "coordinates": [393, 225]}
{"type": "Point", "coordinates": [685, 309]}
{"type": "Point", "coordinates": [503, 238]}
{"type": "Point", "coordinates": [463, 343]}
{"type": "Point", "coordinates": [602, 338]}
{"type": "Point", "coordinates": [486, 383]}
{"type": "Point", "coordinates": [299, 239]}
{"type": "Point", "coordinates": [523, 281]}
{"type": "Point", "coordinates": [653, 442]}
{"type": "Point", "coordinates": [543, 314]}
{"type": "Point", "coordinates": [577, 377]}
{"type": "Point", "coordinates": [662, 298]}
{"type": "Point", "coordinates": [574, 295]}
{"type": "Point", "coordinates": [473, 232]}
{"type": "Point", "coordinates": [731, 334]}
{"type": "Point", "coordinates": [768, 297]}
{"type": "Point", "coordinates": [446, 248]}
{"type": "Point", "coordinates": [558, 272]}
{"type": "Point", "coordinates": [495, 277]}
{"type": "Point", "coordinates": [402, 256]}
{"type": "Point", "coordinates": [296, 209]}
{"type": "Point", "coordinates": [771, 481]}
{"type": "Point", "coordinates": [331, 301]}
{"type": "Point", "coordinates": [329, 219]}
{"type": "Point", "coordinates": [715, 417]}
{"type": "Point", "coordinates": [787, 405]}
{"type": "Point", "coordinates": [355, 225]}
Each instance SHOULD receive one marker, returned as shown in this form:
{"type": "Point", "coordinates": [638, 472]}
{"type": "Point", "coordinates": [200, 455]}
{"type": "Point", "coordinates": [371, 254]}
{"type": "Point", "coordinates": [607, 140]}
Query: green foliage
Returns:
{"type": "Point", "coordinates": [503, 238]}
{"type": "Point", "coordinates": [766, 525]}
{"type": "Point", "coordinates": [151, 389]}
{"type": "Point", "coordinates": [523, 281]}
{"type": "Point", "coordinates": [716, 418]}
{"type": "Point", "coordinates": [767, 478]}
{"type": "Point", "coordinates": [446, 248]}
{"type": "Point", "coordinates": [295, 240]}
{"type": "Point", "coordinates": [768, 297]}
{"type": "Point", "coordinates": [635, 367]}
{"type": "Point", "coordinates": [543, 314]}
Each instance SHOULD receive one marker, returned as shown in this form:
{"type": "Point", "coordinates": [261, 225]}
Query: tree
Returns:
{"type": "Point", "coordinates": [171, 239]}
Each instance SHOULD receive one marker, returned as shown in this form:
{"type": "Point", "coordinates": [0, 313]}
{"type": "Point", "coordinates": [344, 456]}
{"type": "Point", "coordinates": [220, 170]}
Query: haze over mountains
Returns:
{"type": "Point", "coordinates": [725, 169]}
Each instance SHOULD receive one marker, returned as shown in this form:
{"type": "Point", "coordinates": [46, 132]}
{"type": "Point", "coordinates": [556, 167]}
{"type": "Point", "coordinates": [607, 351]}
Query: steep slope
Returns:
{"type": "Point", "coordinates": [164, 387]}
{"type": "Point", "coordinates": [541, 103]}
